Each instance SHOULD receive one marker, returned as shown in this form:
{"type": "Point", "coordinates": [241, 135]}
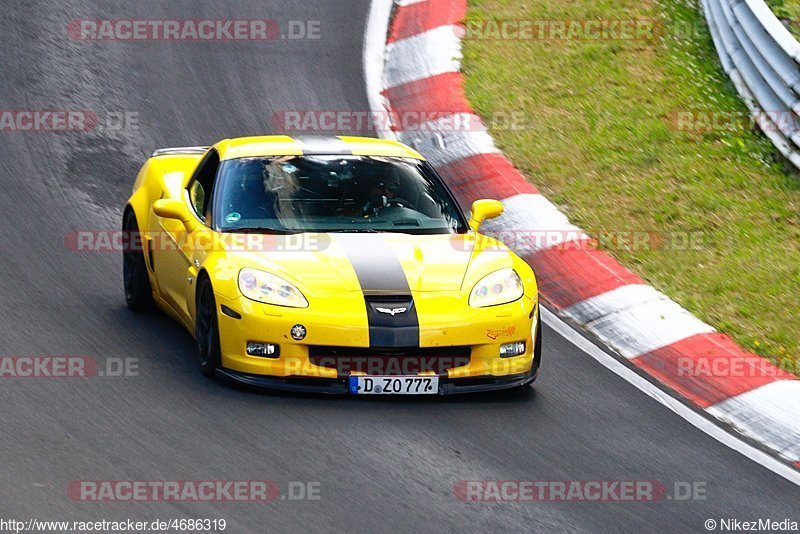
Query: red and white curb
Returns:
{"type": "Point", "coordinates": [413, 65]}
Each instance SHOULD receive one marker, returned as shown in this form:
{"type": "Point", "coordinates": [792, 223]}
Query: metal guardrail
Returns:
{"type": "Point", "coordinates": [762, 60]}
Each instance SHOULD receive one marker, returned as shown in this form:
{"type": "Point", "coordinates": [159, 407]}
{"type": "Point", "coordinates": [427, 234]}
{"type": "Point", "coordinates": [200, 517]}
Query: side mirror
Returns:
{"type": "Point", "coordinates": [171, 208]}
{"type": "Point", "coordinates": [484, 209]}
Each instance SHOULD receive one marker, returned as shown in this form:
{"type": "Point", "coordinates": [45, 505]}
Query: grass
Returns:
{"type": "Point", "coordinates": [788, 10]}
{"type": "Point", "coordinates": [603, 144]}
{"type": "Point", "coordinates": [789, 13]}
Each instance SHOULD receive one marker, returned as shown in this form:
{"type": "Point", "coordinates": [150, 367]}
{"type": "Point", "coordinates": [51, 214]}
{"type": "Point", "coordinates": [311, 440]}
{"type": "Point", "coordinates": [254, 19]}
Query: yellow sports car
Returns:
{"type": "Point", "coordinates": [329, 264]}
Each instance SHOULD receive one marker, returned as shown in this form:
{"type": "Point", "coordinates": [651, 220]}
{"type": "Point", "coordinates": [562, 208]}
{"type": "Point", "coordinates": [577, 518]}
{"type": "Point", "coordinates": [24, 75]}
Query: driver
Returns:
{"type": "Point", "coordinates": [382, 190]}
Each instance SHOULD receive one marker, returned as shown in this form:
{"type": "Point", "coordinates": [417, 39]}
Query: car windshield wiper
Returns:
{"type": "Point", "coordinates": [354, 231]}
{"type": "Point", "coordinates": [259, 230]}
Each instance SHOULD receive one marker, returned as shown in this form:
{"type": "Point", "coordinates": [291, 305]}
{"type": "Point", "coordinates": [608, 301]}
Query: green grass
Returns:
{"type": "Point", "coordinates": [785, 9]}
{"type": "Point", "coordinates": [789, 12]}
{"type": "Point", "coordinates": [602, 145]}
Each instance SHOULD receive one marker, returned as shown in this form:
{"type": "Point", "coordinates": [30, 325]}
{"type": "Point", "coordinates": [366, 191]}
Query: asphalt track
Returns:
{"type": "Point", "coordinates": [385, 464]}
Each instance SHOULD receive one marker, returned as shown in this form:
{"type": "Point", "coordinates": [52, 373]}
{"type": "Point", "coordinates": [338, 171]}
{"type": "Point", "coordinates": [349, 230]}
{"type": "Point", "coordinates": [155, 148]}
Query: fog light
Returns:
{"type": "Point", "coordinates": [264, 350]}
{"type": "Point", "coordinates": [507, 350]}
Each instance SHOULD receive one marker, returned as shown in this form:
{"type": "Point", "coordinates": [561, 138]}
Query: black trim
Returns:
{"type": "Point", "coordinates": [384, 285]}
{"type": "Point", "coordinates": [487, 383]}
{"type": "Point", "coordinates": [151, 262]}
{"type": "Point", "coordinates": [340, 386]}
{"type": "Point", "coordinates": [229, 312]}
{"type": "Point", "coordinates": [299, 385]}
{"type": "Point", "coordinates": [205, 218]}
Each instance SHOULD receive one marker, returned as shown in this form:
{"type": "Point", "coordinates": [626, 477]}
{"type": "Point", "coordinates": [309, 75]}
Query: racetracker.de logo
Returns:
{"type": "Point", "coordinates": [193, 491]}
{"type": "Point", "coordinates": [67, 367]}
{"type": "Point", "coordinates": [123, 241]}
{"type": "Point", "coordinates": [491, 240]}
{"type": "Point", "coordinates": [736, 367]}
{"type": "Point", "coordinates": [559, 29]}
{"type": "Point", "coordinates": [174, 490]}
{"type": "Point", "coordinates": [410, 120]}
{"type": "Point", "coordinates": [42, 120]}
{"type": "Point", "coordinates": [67, 120]}
{"type": "Point", "coordinates": [711, 121]}
{"type": "Point", "coordinates": [191, 30]}
{"type": "Point", "coordinates": [577, 491]}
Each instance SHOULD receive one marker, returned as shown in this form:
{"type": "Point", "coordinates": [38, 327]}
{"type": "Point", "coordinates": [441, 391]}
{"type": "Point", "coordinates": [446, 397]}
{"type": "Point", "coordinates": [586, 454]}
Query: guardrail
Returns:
{"type": "Point", "coordinates": [762, 59]}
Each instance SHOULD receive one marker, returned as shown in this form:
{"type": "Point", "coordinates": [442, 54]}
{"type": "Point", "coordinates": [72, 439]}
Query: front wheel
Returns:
{"type": "Point", "coordinates": [537, 348]}
{"type": "Point", "coordinates": [537, 352]}
{"type": "Point", "coordinates": [138, 292]}
{"type": "Point", "coordinates": [207, 329]}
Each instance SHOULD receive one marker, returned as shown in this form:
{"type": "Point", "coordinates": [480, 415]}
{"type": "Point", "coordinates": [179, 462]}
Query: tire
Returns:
{"type": "Point", "coordinates": [537, 347]}
{"type": "Point", "coordinates": [207, 328]}
{"type": "Point", "coordinates": [537, 353]}
{"type": "Point", "coordinates": [138, 292]}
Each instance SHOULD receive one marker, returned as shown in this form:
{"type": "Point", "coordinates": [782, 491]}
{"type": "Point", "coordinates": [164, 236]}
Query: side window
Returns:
{"type": "Point", "coordinates": [197, 196]}
{"type": "Point", "coordinates": [202, 184]}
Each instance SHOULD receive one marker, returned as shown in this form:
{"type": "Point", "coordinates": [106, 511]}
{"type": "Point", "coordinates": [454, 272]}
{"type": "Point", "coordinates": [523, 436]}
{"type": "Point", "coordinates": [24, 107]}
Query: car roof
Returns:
{"type": "Point", "coordinates": [307, 145]}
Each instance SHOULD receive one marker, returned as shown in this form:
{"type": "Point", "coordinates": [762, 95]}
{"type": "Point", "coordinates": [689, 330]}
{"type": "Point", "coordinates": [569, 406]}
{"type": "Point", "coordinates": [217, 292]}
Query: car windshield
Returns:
{"type": "Point", "coordinates": [333, 194]}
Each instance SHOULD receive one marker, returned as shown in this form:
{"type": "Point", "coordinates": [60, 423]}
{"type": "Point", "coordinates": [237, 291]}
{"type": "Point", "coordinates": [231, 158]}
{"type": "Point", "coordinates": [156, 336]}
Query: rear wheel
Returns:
{"type": "Point", "coordinates": [138, 292]}
{"type": "Point", "coordinates": [207, 328]}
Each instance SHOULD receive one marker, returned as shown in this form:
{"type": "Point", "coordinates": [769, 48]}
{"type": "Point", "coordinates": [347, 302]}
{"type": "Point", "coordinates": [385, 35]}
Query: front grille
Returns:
{"type": "Point", "coordinates": [388, 297]}
{"type": "Point", "coordinates": [392, 362]}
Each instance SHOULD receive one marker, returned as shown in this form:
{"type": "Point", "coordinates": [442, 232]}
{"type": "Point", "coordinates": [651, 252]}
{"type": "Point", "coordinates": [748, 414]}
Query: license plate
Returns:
{"type": "Point", "coordinates": [394, 385]}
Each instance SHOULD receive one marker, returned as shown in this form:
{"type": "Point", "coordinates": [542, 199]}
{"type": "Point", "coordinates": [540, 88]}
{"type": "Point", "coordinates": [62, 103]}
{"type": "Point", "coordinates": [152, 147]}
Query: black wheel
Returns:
{"type": "Point", "coordinates": [537, 352]}
{"type": "Point", "coordinates": [537, 347]}
{"type": "Point", "coordinates": [207, 328]}
{"type": "Point", "coordinates": [138, 293]}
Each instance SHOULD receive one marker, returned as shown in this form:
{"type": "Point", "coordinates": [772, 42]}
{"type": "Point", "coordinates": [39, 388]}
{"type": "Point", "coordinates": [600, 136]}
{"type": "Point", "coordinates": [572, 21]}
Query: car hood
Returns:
{"type": "Point", "coordinates": [368, 262]}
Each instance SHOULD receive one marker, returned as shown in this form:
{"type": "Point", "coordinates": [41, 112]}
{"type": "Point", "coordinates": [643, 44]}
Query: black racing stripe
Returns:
{"type": "Point", "coordinates": [385, 330]}
{"type": "Point", "coordinates": [312, 145]}
{"type": "Point", "coordinates": [385, 287]}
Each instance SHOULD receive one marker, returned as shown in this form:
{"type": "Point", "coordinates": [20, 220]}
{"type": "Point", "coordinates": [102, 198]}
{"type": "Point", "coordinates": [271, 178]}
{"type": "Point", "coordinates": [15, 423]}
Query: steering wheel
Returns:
{"type": "Point", "coordinates": [368, 210]}
{"type": "Point", "coordinates": [400, 203]}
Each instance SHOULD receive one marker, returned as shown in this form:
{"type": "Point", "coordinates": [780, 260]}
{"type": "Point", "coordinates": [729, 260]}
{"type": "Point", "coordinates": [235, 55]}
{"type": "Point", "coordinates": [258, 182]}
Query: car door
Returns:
{"type": "Point", "coordinates": [180, 251]}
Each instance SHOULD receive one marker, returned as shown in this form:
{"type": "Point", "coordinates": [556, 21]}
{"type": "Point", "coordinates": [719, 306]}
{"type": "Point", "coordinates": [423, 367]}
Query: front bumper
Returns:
{"type": "Point", "coordinates": [443, 325]}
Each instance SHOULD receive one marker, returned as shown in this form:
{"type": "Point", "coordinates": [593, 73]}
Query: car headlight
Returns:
{"type": "Point", "coordinates": [499, 287]}
{"type": "Point", "coordinates": [270, 289]}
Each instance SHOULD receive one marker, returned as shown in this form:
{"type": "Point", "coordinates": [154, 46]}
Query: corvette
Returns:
{"type": "Point", "coordinates": [329, 264]}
